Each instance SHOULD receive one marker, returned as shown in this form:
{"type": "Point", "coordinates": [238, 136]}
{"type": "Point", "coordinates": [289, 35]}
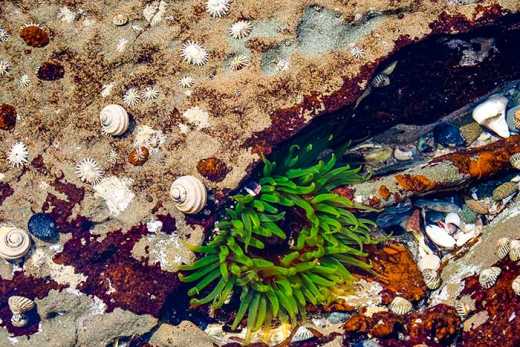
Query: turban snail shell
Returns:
{"type": "Point", "coordinates": [14, 242]}
{"type": "Point", "coordinates": [114, 120]}
{"type": "Point", "coordinates": [19, 306]}
{"type": "Point", "coordinates": [189, 194]}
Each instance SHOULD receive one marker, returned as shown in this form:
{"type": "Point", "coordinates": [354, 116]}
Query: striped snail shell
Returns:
{"type": "Point", "coordinates": [14, 242]}
{"type": "Point", "coordinates": [19, 306]}
{"type": "Point", "coordinates": [515, 161]}
{"type": "Point", "coordinates": [431, 279]}
{"type": "Point", "coordinates": [189, 194]}
{"type": "Point", "coordinates": [514, 252]}
{"type": "Point", "coordinates": [488, 277]}
{"type": "Point", "coordinates": [114, 120]}
{"type": "Point", "coordinates": [503, 247]}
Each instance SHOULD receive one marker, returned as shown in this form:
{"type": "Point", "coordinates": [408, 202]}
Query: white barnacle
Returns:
{"type": "Point", "coordinates": [24, 81]}
{"type": "Point", "coordinates": [88, 170]}
{"type": "Point", "coordinates": [357, 52]}
{"type": "Point", "coordinates": [150, 93]}
{"type": "Point", "coordinates": [217, 8]}
{"type": "Point", "coordinates": [193, 53]}
{"type": "Point", "coordinates": [18, 155]}
{"type": "Point", "coordinates": [5, 66]}
{"type": "Point", "coordinates": [240, 29]}
{"type": "Point", "coordinates": [4, 35]}
{"type": "Point", "coordinates": [282, 65]}
{"type": "Point", "coordinates": [238, 62]}
{"type": "Point", "coordinates": [186, 82]}
{"type": "Point", "coordinates": [131, 97]}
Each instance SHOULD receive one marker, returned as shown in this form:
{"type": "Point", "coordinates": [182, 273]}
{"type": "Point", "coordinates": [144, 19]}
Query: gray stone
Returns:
{"type": "Point", "coordinates": [182, 335]}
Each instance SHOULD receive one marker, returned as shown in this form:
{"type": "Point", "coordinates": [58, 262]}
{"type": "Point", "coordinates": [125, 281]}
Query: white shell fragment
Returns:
{"type": "Point", "coordinates": [503, 247]}
{"type": "Point", "coordinates": [488, 277]}
{"type": "Point", "coordinates": [400, 305]}
{"type": "Point", "coordinates": [492, 115]}
{"type": "Point", "coordinates": [189, 194]}
{"type": "Point", "coordinates": [14, 242]}
{"type": "Point", "coordinates": [440, 236]}
{"type": "Point", "coordinates": [114, 120]}
{"type": "Point", "coordinates": [431, 279]}
{"type": "Point", "coordinates": [19, 306]}
{"type": "Point", "coordinates": [119, 20]}
{"type": "Point", "coordinates": [452, 218]}
{"type": "Point", "coordinates": [516, 285]}
{"type": "Point", "coordinates": [514, 252]}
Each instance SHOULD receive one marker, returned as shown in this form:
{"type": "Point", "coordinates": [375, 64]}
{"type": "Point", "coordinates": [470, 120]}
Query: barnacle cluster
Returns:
{"type": "Point", "coordinates": [310, 264]}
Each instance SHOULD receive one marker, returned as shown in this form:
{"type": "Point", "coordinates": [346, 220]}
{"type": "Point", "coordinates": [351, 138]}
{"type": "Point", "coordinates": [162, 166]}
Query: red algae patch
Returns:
{"type": "Point", "coordinates": [30, 287]}
{"type": "Point", "coordinates": [34, 36]}
{"type": "Point", "coordinates": [5, 192]}
{"type": "Point", "coordinates": [7, 117]}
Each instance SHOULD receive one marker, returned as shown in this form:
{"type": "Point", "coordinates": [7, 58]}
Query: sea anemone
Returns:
{"type": "Point", "coordinates": [238, 62]}
{"type": "Point", "coordinates": [217, 8]}
{"type": "Point", "coordinates": [240, 29]}
{"type": "Point", "coordinates": [4, 35]}
{"type": "Point", "coordinates": [150, 93]}
{"type": "Point", "coordinates": [357, 52]}
{"type": "Point", "coordinates": [18, 155]}
{"type": "Point", "coordinates": [131, 97]}
{"type": "Point", "coordinates": [88, 170]}
{"type": "Point", "coordinates": [24, 81]}
{"type": "Point", "coordinates": [186, 82]}
{"type": "Point", "coordinates": [5, 66]}
{"type": "Point", "coordinates": [312, 261]}
{"type": "Point", "coordinates": [193, 53]}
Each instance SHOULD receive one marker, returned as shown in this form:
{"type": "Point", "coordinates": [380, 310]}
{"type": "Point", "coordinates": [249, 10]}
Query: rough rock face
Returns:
{"type": "Point", "coordinates": [101, 280]}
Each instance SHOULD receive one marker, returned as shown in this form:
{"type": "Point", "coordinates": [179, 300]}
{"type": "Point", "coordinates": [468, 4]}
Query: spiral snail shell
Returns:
{"type": "Point", "coordinates": [114, 120]}
{"type": "Point", "coordinates": [14, 242]}
{"type": "Point", "coordinates": [189, 194]}
{"type": "Point", "coordinates": [515, 285]}
{"type": "Point", "coordinates": [19, 306]}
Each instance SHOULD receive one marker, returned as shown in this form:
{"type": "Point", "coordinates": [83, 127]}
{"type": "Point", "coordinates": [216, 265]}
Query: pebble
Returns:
{"type": "Point", "coordinates": [448, 135]}
{"type": "Point", "coordinates": [42, 226]}
{"type": "Point", "coordinates": [504, 190]}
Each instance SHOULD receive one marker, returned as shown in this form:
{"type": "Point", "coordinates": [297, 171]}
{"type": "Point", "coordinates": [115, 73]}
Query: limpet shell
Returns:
{"type": "Point", "coordinates": [503, 247]}
{"type": "Point", "coordinates": [14, 242]}
{"type": "Point", "coordinates": [514, 252]}
{"type": "Point", "coordinates": [515, 161]}
{"type": "Point", "coordinates": [431, 279]}
{"type": "Point", "coordinates": [189, 194]}
{"type": "Point", "coordinates": [462, 309]}
{"type": "Point", "coordinates": [516, 285]}
{"type": "Point", "coordinates": [492, 115]}
{"type": "Point", "coordinates": [114, 120]}
{"type": "Point", "coordinates": [120, 19]}
{"type": "Point", "coordinates": [302, 334]}
{"type": "Point", "coordinates": [504, 190]}
{"type": "Point", "coordinates": [479, 207]}
{"type": "Point", "coordinates": [488, 277]}
{"type": "Point", "coordinates": [400, 306]}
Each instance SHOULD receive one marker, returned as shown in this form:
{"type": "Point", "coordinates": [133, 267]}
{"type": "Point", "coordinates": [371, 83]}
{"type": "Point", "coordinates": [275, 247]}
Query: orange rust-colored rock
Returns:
{"type": "Point", "coordinates": [417, 183]}
{"type": "Point", "coordinates": [357, 324]}
{"type": "Point", "coordinates": [213, 169]}
{"type": "Point", "coordinates": [138, 156]}
{"type": "Point", "coordinates": [438, 323]}
{"type": "Point", "coordinates": [7, 117]}
{"type": "Point", "coordinates": [381, 324]}
{"type": "Point", "coordinates": [34, 36]}
{"type": "Point", "coordinates": [396, 270]}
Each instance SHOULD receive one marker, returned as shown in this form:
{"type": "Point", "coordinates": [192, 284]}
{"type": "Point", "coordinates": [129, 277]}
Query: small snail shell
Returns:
{"type": "Point", "coordinates": [114, 120]}
{"type": "Point", "coordinates": [189, 194]}
{"type": "Point", "coordinates": [138, 156]}
{"type": "Point", "coordinates": [14, 242]}
{"type": "Point", "coordinates": [514, 252]}
{"type": "Point", "coordinates": [516, 285]}
{"type": "Point", "coordinates": [488, 277]}
{"type": "Point", "coordinates": [19, 305]}
{"type": "Point", "coordinates": [400, 306]}
{"type": "Point", "coordinates": [431, 279]}
{"type": "Point", "coordinates": [503, 247]}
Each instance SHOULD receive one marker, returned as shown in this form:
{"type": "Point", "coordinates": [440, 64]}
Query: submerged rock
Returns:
{"type": "Point", "coordinates": [448, 135]}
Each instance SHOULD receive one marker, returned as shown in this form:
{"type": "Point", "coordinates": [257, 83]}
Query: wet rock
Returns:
{"type": "Point", "coordinates": [213, 169]}
{"type": "Point", "coordinates": [34, 36]}
{"type": "Point", "coordinates": [394, 216]}
{"type": "Point", "coordinates": [439, 323]}
{"type": "Point", "coordinates": [7, 117]}
{"type": "Point", "coordinates": [183, 335]}
{"type": "Point", "coordinates": [448, 135]}
{"type": "Point", "coordinates": [51, 71]}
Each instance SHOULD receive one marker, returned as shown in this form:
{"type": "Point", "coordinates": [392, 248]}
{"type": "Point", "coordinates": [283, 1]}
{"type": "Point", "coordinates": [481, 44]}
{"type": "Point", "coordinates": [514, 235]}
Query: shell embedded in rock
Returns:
{"type": "Point", "coordinates": [440, 236]}
{"type": "Point", "coordinates": [503, 247]}
{"type": "Point", "coordinates": [189, 194]}
{"type": "Point", "coordinates": [492, 115]}
{"type": "Point", "coordinates": [431, 279]}
{"type": "Point", "coordinates": [14, 242]}
{"type": "Point", "coordinates": [515, 161]}
{"type": "Point", "coordinates": [488, 277]}
{"type": "Point", "coordinates": [20, 304]}
{"type": "Point", "coordinates": [514, 252]}
{"type": "Point", "coordinates": [114, 120]}
{"type": "Point", "coordinates": [516, 285]}
{"type": "Point", "coordinates": [400, 306]}
{"type": "Point", "coordinates": [504, 190]}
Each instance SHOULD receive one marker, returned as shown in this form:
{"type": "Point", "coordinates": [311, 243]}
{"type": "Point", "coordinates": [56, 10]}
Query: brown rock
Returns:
{"type": "Point", "coordinates": [34, 36]}
{"type": "Point", "coordinates": [51, 71]}
{"type": "Point", "coordinates": [213, 169]}
{"type": "Point", "coordinates": [138, 156]}
{"type": "Point", "coordinates": [439, 322]}
{"type": "Point", "coordinates": [7, 117]}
